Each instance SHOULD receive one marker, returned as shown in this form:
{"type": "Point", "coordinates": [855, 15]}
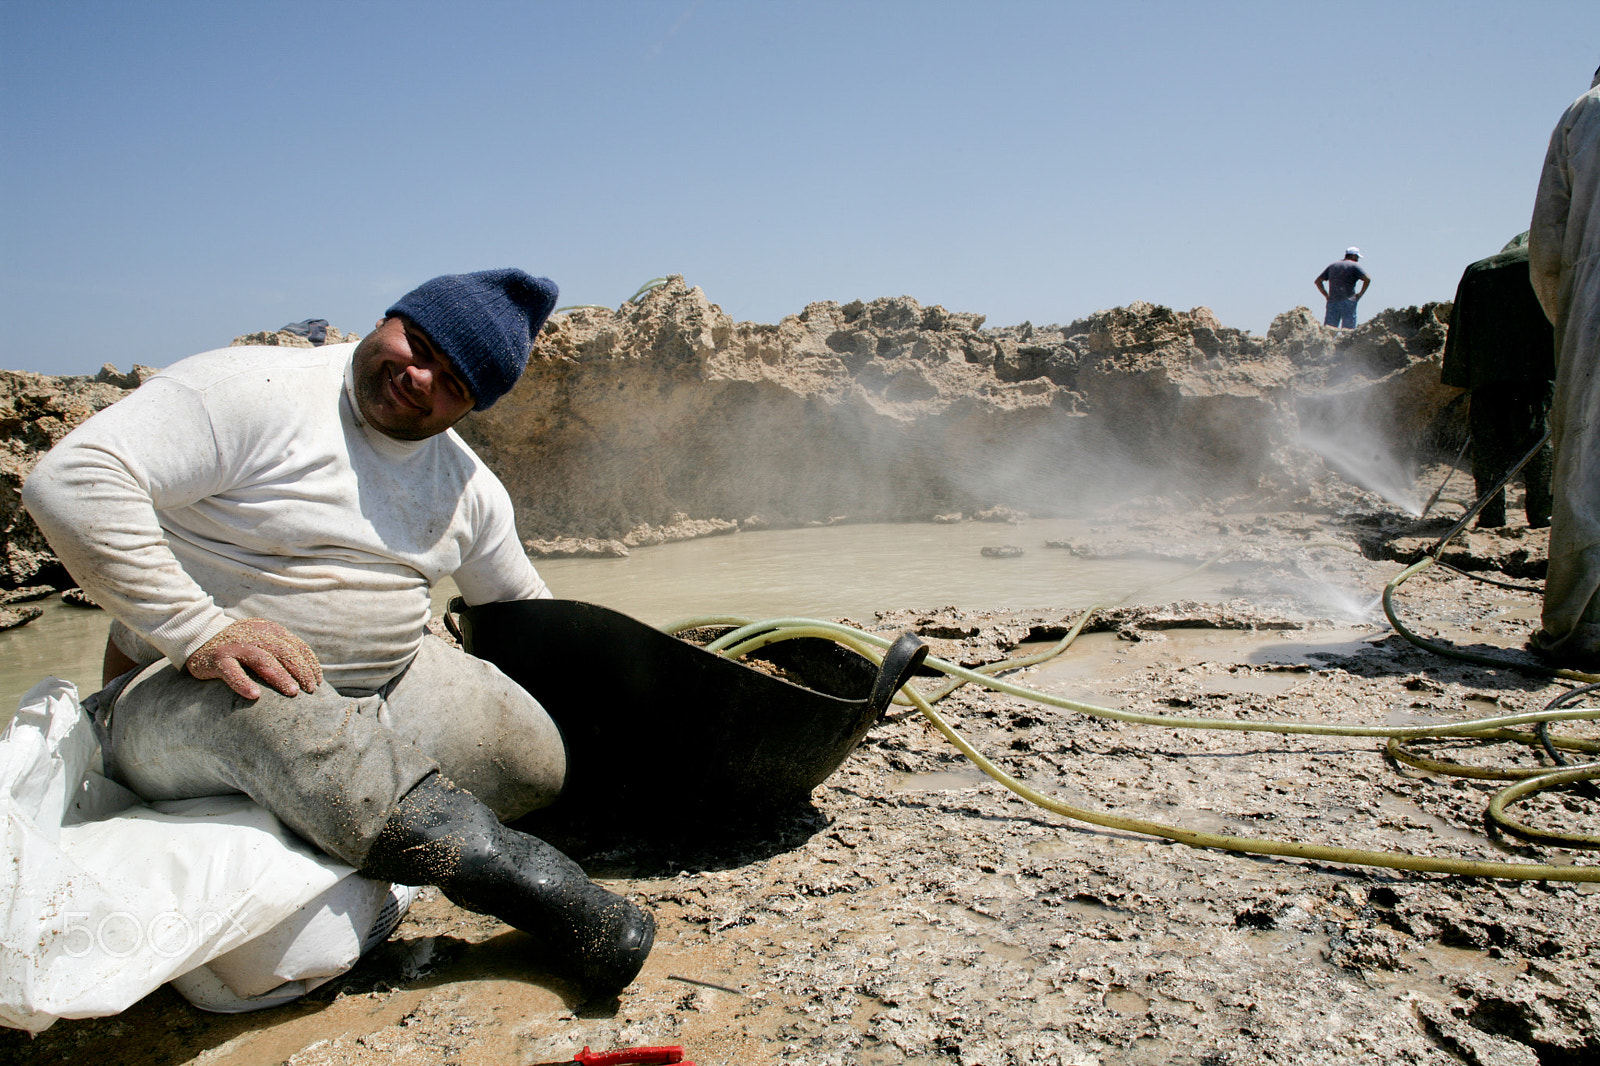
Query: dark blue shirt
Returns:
{"type": "Point", "coordinates": [1342, 277]}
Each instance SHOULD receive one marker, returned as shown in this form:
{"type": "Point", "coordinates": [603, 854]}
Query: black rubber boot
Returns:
{"type": "Point", "coordinates": [442, 835]}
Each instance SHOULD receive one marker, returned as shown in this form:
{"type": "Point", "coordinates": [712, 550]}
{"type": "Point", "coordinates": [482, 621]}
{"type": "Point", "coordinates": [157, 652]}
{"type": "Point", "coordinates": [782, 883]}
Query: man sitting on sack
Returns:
{"type": "Point", "coordinates": [265, 526]}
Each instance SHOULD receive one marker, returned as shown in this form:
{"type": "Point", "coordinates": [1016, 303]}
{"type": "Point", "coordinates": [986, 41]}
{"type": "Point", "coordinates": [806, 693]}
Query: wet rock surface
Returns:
{"type": "Point", "coordinates": [76, 597]}
{"type": "Point", "coordinates": [12, 617]}
{"type": "Point", "coordinates": [916, 912]}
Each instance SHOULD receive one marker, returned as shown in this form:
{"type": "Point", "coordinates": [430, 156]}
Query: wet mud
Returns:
{"type": "Point", "coordinates": [916, 912]}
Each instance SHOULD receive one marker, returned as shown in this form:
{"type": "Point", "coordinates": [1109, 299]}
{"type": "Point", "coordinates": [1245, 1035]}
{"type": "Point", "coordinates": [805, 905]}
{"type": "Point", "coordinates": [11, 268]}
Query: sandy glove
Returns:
{"type": "Point", "coordinates": [274, 654]}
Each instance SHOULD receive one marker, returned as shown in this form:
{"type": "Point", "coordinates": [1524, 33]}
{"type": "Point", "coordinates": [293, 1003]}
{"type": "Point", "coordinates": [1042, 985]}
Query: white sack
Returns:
{"type": "Point", "coordinates": [317, 943]}
{"type": "Point", "coordinates": [103, 899]}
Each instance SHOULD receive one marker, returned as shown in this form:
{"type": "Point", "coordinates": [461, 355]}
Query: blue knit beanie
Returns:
{"type": "Point", "coordinates": [485, 322]}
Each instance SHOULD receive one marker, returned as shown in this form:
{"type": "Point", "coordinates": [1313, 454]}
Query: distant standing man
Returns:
{"type": "Point", "coordinates": [1564, 267]}
{"type": "Point", "coordinates": [1337, 284]}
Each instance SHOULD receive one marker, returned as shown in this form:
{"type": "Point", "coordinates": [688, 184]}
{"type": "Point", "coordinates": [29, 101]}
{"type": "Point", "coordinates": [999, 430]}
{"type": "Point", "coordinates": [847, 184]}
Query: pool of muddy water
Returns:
{"type": "Point", "coordinates": [838, 571]}
{"type": "Point", "coordinates": [855, 570]}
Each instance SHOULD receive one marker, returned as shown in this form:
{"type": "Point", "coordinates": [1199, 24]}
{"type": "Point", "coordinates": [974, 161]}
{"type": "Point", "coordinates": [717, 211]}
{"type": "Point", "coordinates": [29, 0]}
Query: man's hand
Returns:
{"type": "Point", "coordinates": [274, 654]}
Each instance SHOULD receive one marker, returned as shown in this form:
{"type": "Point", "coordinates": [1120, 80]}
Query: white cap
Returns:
{"type": "Point", "coordinates": [1352, 251]}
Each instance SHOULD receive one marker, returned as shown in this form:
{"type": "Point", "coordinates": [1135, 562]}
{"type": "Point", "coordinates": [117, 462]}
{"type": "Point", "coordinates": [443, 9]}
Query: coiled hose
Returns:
{"type": "Point", "coordinates": [748, 636]}
{"type": "Point", "coordinates": [1528, 780]}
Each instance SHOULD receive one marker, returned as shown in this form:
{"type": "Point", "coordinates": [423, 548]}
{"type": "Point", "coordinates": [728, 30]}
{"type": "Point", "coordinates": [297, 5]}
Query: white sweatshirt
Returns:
{"type": "Point", "coordinates": [1564, 269]}
{"type": "Point", "coordinates": [242, 483]}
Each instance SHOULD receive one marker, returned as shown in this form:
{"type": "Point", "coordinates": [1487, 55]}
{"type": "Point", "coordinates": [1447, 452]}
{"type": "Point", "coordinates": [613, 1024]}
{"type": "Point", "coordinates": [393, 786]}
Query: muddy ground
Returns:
{"type": "Point", "coordinates": [916, 912]}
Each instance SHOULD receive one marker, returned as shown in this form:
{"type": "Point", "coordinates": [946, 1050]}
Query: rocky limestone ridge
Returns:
{"type": "Point", "coordinates": [888, 410]}
{"type": "Point", "coordinates": [282, 338]}
{"type": "Point", "coordinates": [36, 410]}
{"type": "Point", "coordinates": [665, 419]}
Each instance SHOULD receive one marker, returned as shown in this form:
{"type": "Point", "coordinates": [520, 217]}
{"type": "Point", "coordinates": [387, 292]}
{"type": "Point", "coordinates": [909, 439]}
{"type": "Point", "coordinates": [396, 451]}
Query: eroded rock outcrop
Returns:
{"type": "Point", "coordinates": [666, 419]}
{"type": "Point", "coordinates": [867, 410]}
{"type": "Point", "coordinates": [889, 410]}
{"type": "Point", "coordinates": [36, 410]}
{"type": "Point", "coordinates": [283, 338]}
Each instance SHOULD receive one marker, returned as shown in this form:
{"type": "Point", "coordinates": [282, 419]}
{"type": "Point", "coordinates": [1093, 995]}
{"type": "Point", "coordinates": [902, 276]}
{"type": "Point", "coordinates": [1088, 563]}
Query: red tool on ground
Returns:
{"type": "Point", "coordinates": [633, 1056]}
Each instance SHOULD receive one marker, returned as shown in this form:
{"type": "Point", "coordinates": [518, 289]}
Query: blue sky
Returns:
{"type": "Point", "coordinates": [175, 173]}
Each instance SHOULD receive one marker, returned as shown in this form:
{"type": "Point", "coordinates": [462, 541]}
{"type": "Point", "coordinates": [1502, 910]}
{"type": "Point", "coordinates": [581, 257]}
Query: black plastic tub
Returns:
{"type": "Point", "coordinates": [654, 724]}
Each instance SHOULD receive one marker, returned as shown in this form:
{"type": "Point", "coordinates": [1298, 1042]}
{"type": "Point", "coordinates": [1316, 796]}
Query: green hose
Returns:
{"type": "Point", "coordinates": [749, 636]}
{"type": "Point", "coordinates": [752, 636]}
{"type": "Point", "coordinates": [1450, 652]}
{"type": "Point", "coordinates": [745, 637]}
{"type": "Point", "coordinates": [1398, 751]}
{"type": "Point", "coordinates": [1569, 776]}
